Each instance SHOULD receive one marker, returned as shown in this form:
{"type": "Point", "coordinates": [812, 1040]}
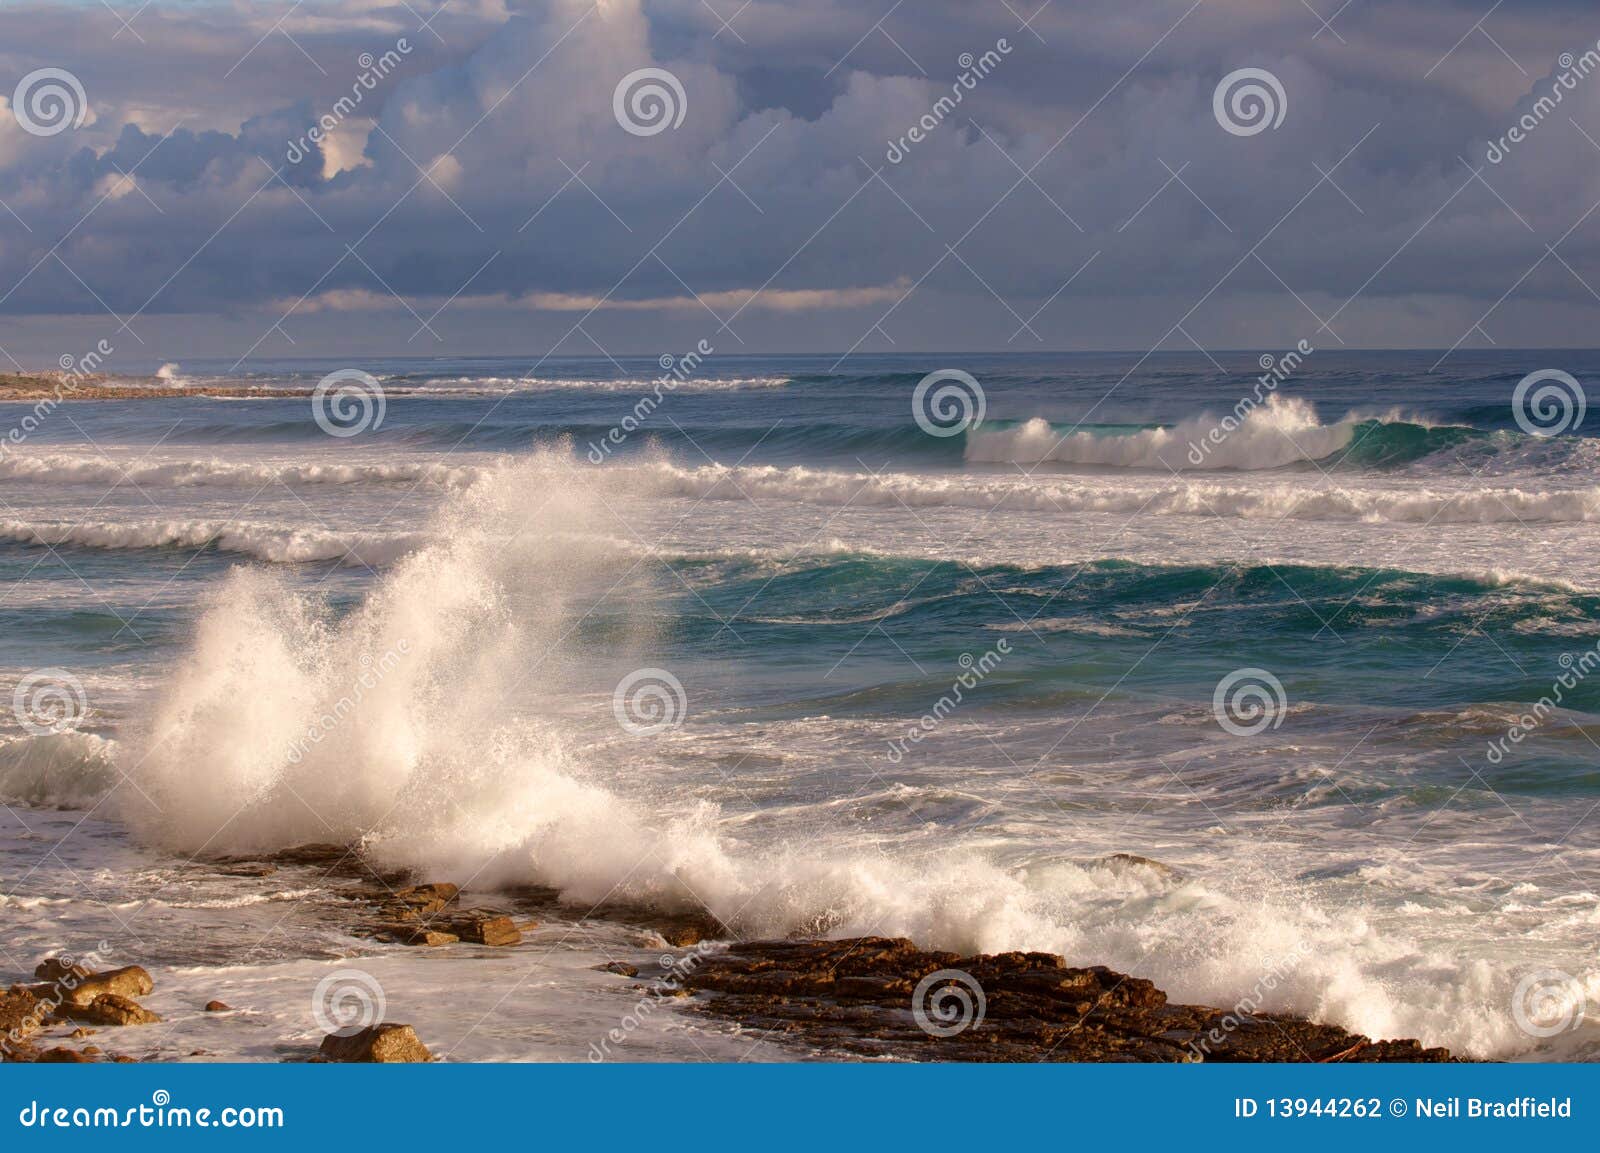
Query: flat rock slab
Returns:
{"type": "Point", "coordinates": [885, 997]}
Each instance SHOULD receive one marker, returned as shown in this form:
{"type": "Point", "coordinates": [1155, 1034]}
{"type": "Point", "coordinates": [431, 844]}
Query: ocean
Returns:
{"type": "Point", "coordinates": [1248, 709]}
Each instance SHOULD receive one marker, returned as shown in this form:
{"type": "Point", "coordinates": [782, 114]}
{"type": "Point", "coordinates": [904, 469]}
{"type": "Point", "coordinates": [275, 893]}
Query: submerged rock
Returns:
{"type": "Point", "coordinates": [885, 997]}
{"type": "Point", "coordinates": [382, 1044]}
{"type": "Point", "coordinates": [218, 1007]}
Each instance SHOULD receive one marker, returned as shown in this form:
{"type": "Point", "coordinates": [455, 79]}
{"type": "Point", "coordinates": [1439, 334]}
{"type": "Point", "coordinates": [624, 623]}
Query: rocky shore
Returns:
{"type": "Point", "coordinates": [68, 386]}
{"type": "Point", "coordinates": [869, 997]}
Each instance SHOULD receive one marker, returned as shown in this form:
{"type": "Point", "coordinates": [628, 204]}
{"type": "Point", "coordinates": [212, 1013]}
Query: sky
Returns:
{"type": "Point", "coordinates": [578, 178]}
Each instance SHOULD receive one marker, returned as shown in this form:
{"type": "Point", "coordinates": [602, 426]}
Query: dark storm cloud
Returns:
{"type": "Point", "coordinates": [486, 164]}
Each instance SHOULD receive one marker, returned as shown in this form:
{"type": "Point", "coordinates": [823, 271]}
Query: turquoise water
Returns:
{"type": "Point", "coordinates": [922, 684]}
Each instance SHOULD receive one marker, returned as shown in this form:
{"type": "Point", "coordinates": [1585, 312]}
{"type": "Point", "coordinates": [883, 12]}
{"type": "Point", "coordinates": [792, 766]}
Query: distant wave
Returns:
{"type": "Point", "coordinates": [459, 385]}
{"type": "Point", "coordinates": [1277, 434]}
{"type": "Point", "coordinates": [64, 469]}
{"type": "Point", "coordinates": [1292, 500]}
{"type": "Point", "coordinates": [263, 542]}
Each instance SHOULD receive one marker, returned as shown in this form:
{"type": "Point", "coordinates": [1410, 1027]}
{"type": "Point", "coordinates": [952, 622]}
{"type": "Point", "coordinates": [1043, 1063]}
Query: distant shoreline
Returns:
{"type": "Point", "coordinates": [65, 386]}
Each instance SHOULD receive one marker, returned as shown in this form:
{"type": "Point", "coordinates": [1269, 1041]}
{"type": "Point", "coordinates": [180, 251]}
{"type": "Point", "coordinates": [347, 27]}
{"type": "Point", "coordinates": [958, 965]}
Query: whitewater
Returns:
{"type": "Point", "coordinates": [1411, 568]}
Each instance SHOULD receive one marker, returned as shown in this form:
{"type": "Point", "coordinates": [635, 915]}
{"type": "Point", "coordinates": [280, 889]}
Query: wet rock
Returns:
{"type": "Point", "coordinates": [21, 1010]}
{"type": "Point", "coordinates": [314, 854]}
{"type": "Point", "coordinates": [1124, 861]}
{"type": "Point", "coordinates": [63, 1056]}
{"type": "Point", "coordinates": [131, 981]}
{"type": "Point", "coordinates": [885, 997]}
{"type": "Point", "coordinates": [80, 1033]}
{"type": "Point", "coordinates": [56, 969]}
{"type": "Point", "coordinates": [111, 1009]}
{"type": "Point", "coordinates": [384, 1044]}
{"type": "Point", "coordinates": [620, 968]}
{"type": "Point", "coordinates": [431, 938]}
{"type": "Point", "coordinates": [218, 1007]}
{"type": "Point", "coordinates": [253, 869]}
{"type": "Point", "coordinates": [487, 929]}
{"type": "Point", "coordinates": [428, 897]}
{"type": "Point", "coordinates": [18, 1052]}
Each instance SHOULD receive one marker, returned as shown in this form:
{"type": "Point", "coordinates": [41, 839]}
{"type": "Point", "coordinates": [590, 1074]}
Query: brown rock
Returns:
{"type": "Point", "coordinates": [54, 969]}
{"type": "Point", "coordinates": [620, 968]}
{"type": "Point", "coordinates": [441, 891]}
{"type": "Point", "coordinates": [21, 1010]}
{"type": "Point", "coordinates": [218, 1007]}
{"type": "Point", "coordinates": [382, 1044]}
{"type": "Point", "coordinates": [861, 996]}
{"type": "Point", "coordinates": [488, 931]}
{"type": "Point", "coordinates": [314, 854]}
{"type": "Point", "coordinates": [422, 935]}
{"type": "Point", "coordinates": [63, 1057]}
{"type": "Point", "coordinates": [80, 1033]}
{"type": "Point", "coordinates": [131, 981]}
{"type": "Point", "coordinates": [110, 1009]}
